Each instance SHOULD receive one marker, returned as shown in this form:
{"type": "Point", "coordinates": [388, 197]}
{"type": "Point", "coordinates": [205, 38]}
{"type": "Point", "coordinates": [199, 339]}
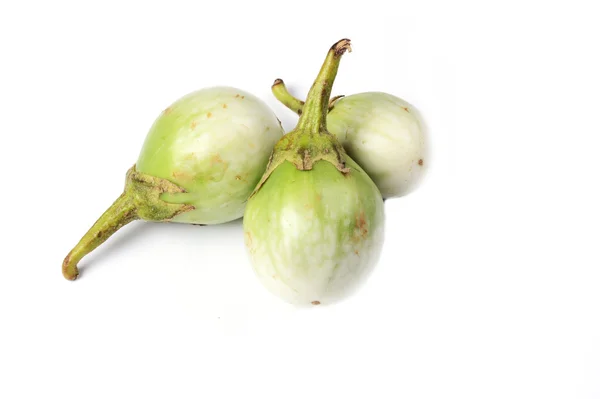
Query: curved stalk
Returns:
{"type": "Point", "coordinates": [120, 213]}
{"type": "Point", "coordinates": [296, 105]}
{"type": "Point", "coordinates": [282, 94]}
{"type": "Point", "coordinates": [314, 114]}
{"type": "Point", "coordinates": [140, 200]}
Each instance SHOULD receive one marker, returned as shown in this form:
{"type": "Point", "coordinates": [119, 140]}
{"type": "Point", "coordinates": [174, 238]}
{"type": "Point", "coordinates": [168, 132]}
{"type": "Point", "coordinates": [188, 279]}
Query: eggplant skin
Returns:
{"type": "Point", "coordinates": [313, 236]}
{"type": "Point", "coordinates": [214, 143]}
{"type": "Point", "coordinates": [386, 136]}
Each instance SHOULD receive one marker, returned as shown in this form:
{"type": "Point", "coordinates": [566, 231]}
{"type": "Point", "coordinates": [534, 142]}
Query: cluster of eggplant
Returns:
{"type": "Point", "coordinates": [312, 199]}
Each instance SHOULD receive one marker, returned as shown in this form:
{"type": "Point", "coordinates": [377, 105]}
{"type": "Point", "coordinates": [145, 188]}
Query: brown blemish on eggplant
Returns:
{"type": "Point", "coordinates": [193, 124]}
{"type": "Point", "coordinates": [209, 115]}
{"type": "Point", "coordinates": [167, 111]}
{"type": "Point", "coordinates": [361, 229]}
{"type": "Point", "coordinates": [224, 105]}
{"type": "Point", "coordinates": [361, 223]}
{"type": "Point", "coordinates": [420, 162]}
{"type": "Point", "coordinates": [215, 159]}
{"type": "Point", "coordinates": [315, 302]}
{"type": "Point", "coordinates": [406, 109]}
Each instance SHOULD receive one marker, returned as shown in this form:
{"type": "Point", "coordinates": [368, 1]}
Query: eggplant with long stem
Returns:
{"type": "Point", "coordinates": [314, 224]}
{"type": "Point", "coordinates": [383, 133]}
{"type": "Point", "coordinates": [201, 160]}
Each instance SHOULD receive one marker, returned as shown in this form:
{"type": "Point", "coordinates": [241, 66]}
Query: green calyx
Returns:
{"type": "Point", "coordinates": [145, 192]}
{"type": "Point", "coordinates": [141, 199]}
{"type": "Point", "coordinates": [310, 141]}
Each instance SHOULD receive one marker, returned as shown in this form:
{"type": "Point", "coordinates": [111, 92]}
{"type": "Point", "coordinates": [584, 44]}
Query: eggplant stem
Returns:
{"type": "Point", "coordinates": [296, 105]}
{"type": "Point", "coordinates": [141, 199]}
{"type": "Point", "coordinates": [282, 94]}
{"type": "Point", "coordinates": [314, 114]}
{"type": "Point", "coordinates": [120, 213]}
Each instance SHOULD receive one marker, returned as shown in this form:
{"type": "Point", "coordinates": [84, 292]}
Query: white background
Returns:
{"type": "Point", "coordinates": [489, 281]}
